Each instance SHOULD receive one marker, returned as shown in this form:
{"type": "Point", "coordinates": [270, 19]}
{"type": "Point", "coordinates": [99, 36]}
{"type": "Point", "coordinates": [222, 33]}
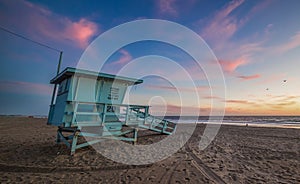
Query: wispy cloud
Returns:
{"type": "Point", "coordinates": [268, 29]}
{"type": "Point", "coordinates": [41, 23]}
{"type": "Point", "coordinates": [291, 44]}
{"type": "Point", "coordinates": [252, 47]}
{"type": "Point", "coordinates": [124, 58]}
{"type": "Point", "coordinates": [239, 102]}
{"type": "Point", "coordinates": [167, 7]}
{"type": "Point", "coordinates": [171, 109]}
{"type": "Point", "coordinates": [182, 89]}
{"type": "Point", "coordinates": [211, 97]}
{"type": "Point", "coordinates": [21, 87]}
{"type": "Point", "coordinates": [285, 103]}
{"type": "Point", "coordinates": [222, 25]}
{"type": "Point", "coordinates": [291, 97]}
{"type": "Point", "coordinates": [220, 28]}
{"type": "Point", "coordinates": [282, 98]}
{"type": "Point", "coordinates": [249, 77]}
{"type": "Point", "coordinates": [231, 66]}
{"type": "Point", "coordinates": [281, 105]}
{"type": "Point", "coordinates": [272, 104]}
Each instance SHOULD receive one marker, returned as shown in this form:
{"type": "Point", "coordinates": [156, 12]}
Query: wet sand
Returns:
{"type": "Point", "coordinates": [239, 154]}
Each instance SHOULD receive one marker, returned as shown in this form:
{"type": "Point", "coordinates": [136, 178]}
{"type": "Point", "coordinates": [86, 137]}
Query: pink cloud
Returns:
{"type": "Point", "coordinates": [167, 7]}
{"type": "Point", "coordinates": [78, 32]}
{"type": "Point", "coordinates": [176, 110]}
{"type": "Point", "coordinates": [240, 102]}
{"type": "Point", "coordinates": [81, 31]}
{"type": "Point", "coordinates": [25, 87]}
{"type": "Point", "coordinates": [183, 89]}
{"type": "Point", "coordinates": [237, 101]}
{"type": "Point", "coordinates": [125, 57]}
{"type": "Point", "coordinates": [249, 77]}
{"type": "Point", "coordinates": [211, 97]}
{"type": "Point", "coordinates": [162, 87]}
{"type": "Point", "coordinates": [40, 23]}
{"type": "Point", "coordinates": [231, 66]}
{"type": "Point", "coordinates": [114, 66]}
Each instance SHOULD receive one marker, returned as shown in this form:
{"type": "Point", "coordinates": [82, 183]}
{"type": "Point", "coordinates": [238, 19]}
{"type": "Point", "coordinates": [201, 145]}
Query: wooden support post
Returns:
{"type": "Point", "coordinates": [74, 142]}
{"type": "Point", "coordinates": [75, 113]}
{"type": "Point", "coordinates": [146, 114]}
{"type": "Point", "coordinates": [164, 126]}
{"type": "Point", "coordinates": [126, 116]}
{"type": "Point", "coordinates": [135, 134]}
{"type": "Point", "coordinates": [58, 136]}
{"type": "Point", "coordinates": [104, 114]}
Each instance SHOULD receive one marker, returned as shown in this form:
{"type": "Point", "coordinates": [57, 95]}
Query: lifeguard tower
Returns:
{"type": "Point", "coordinates": [87, 100]}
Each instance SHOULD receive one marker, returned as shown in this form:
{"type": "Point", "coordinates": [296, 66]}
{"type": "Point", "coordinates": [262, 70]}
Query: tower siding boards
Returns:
{"type": "Point", "coordinates": [86, 86]}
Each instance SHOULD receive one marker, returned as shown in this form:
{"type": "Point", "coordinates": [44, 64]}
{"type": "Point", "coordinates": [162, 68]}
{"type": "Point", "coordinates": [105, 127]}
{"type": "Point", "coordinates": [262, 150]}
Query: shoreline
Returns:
{"type": "Point", "coordinates": [295, 125]}
{"type": "Point", "coordinates": [260, 125]}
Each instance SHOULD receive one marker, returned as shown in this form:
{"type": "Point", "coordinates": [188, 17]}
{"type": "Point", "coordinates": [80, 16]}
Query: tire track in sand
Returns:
{"type": "Point", "coordinates": [168, 175]}
{"type": "Point", "coordinates": [204, 169]}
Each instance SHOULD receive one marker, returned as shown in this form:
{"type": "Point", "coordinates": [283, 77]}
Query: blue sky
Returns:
{"type": "Point", "coordinates": [256, 42]}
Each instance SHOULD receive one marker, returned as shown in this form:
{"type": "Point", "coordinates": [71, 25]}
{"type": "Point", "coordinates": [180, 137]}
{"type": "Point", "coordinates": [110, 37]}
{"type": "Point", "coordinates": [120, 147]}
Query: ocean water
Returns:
{"type": "Point", "coordinates": [270, 121]}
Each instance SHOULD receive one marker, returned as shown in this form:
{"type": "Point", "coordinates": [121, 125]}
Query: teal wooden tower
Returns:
{"type": "Point", "coordinates": [88, 103]}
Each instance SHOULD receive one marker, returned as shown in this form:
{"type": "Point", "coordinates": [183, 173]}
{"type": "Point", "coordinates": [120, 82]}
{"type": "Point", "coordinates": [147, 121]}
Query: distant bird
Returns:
{"type": "Point", "coordinates": [284, 80]}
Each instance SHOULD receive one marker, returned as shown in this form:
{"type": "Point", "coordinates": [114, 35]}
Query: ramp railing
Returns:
{"type": "Point", "coordinates": [106, 121]}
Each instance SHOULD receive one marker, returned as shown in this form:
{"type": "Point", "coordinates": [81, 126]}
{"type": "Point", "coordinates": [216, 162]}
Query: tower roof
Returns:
{"type": "Point", "coordinates": [68, 72]}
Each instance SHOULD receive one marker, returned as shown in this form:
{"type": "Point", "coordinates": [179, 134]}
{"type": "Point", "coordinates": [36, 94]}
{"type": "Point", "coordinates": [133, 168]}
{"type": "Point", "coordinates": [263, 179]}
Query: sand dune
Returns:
{"type": "Point", "coordinates": [237, 155]}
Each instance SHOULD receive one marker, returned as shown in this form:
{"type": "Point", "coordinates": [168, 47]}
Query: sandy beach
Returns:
{"type": "Point", "coordinates": [238, 154]}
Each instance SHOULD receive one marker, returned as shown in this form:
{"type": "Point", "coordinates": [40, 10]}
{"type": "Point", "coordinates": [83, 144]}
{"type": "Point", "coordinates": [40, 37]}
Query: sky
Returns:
{"type": "Point", "coordinates": [256, 43]}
